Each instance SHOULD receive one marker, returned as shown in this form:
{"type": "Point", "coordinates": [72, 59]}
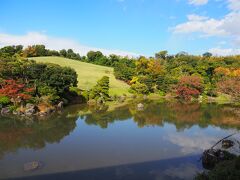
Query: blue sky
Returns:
{"type": "Point", "coordinates": [124, 26]}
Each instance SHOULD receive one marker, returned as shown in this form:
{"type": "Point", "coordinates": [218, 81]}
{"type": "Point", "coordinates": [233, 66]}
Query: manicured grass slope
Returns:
{"type": "Point", "coordinates": [88, 74]}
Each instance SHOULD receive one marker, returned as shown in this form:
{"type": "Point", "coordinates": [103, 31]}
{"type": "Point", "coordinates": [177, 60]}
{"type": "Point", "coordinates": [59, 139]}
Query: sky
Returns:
{"type": "Point", "coordinates": [123, 27]}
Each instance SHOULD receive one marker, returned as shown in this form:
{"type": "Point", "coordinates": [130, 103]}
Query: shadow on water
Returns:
{"type": "Point", "coordinates": [155, 170]}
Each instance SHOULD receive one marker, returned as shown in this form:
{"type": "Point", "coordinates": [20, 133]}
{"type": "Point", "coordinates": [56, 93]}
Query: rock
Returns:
{"type": "Point", "coordinates": [30, 166]}
{"type": "Point", "coordinates": [31, 109]}
{"type": "Point", "coordinates": [30, 112]}
{"type": "Point", "coordinates": [42, 114]}
{"type": "Point", "coordinates": [140, 106]}
{"type": "Point", "coordinates": [60, 105]}
{"type": "Point", "coordinates": [227, 143]}
{"type": "Point", "coordinates": [29, 106]}
{"type": "Point", "coordinates": [210, 158]}
{"type": "Point", "coordinates": [5, 111]}
{"type": "Point", "coordinates": [17, 112]}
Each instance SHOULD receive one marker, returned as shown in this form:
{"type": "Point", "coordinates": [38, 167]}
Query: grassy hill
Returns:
{"type": "Point", "coordinates": [88, 74]}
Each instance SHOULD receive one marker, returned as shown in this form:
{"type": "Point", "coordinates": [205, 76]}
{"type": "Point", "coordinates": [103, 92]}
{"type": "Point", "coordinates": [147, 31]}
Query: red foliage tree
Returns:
{"type": "Point", "coordinates": [189, 86]}
{"type": "Point", "coordinates": [15, 90]}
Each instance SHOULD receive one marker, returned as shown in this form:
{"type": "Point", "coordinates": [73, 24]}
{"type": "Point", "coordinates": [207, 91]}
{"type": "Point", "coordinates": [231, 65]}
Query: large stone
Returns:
{"type": "Point", "coordinates": [60, 105]}
{"type": "Point", "coordinates": [17, 112]}
{"type": "Point", "coordinates": [31, 109]}
{"type": "Point", "coordinates": [30, 112]}
{"type": "Point", "coordinates": [42, 114]}
{"type": "Point", "coordinates": [29, 106]}
{"type": "Point", "coordinates": [5, 111]}
{"type": "Point", "coordinates": [30, 166]}
{"type": "Point", "coordinates": [227, 143]}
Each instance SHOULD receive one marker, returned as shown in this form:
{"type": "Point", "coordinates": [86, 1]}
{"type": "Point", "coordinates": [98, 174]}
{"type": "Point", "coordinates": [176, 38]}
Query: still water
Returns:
{"type": "Point", "coordinates": [163, 141]}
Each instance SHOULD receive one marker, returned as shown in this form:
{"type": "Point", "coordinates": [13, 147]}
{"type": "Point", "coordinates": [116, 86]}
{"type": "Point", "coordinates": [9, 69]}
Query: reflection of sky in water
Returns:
{"type": "Point", "coordinates": [162, 152]}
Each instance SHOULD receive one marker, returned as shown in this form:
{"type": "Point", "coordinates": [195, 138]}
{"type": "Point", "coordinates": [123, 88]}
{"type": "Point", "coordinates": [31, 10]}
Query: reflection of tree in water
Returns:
{"type": "Point", "coordinates": [157, 113]}
{"type": "Point", "coordinates": [15, 133]}
{"type": "Point", "coordinates": [102, 117]}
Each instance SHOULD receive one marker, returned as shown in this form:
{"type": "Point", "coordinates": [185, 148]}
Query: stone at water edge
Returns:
{"type": "Point", "coordinates": [5, 111]}
{"type": "Point", "coordinates": [227, 143]}
{"type": "Point", "coordinates": [30, 112]}
{"type": "Point", "coordinates": [31, 109]}
{"type": "Point", "coordinates": [30, 166]}
{"type": "Point", "coordinates": [60, 105]}
{"type": "Point", "coordinates": [30, 106]}
{"type": "Point", "coordinates": [140, 106]}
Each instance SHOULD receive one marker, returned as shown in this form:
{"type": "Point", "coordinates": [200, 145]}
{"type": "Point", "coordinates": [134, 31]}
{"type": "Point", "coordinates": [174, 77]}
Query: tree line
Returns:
{"type": "Point", "coordinates": [182, 75]}
{"type": "Point", "coordinates": [25, 81]}
{"type": "Point", "coordinates": [94, 57]}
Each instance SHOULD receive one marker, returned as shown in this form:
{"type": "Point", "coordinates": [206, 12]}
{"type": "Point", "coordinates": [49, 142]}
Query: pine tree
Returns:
{"type": "Point", "coordinates": [101, 89]}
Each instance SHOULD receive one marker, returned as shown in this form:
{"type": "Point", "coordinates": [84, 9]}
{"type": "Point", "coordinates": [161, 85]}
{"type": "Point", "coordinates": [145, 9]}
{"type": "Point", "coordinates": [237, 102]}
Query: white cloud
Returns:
{"type": "Point", "coordinates": [198, 2]}
{"type": "Point", "coordinates": [224, 51]}
{"type": "Point", "coordinates": [201, 24]}
{"type": "Point", "coordinates": [234, 5]}
{"type": "Point", "coordinates": [55, 43]}
{"type": "Point", "coordinates": [194, 17]}
{"type": "Point", "coordinates": [226, 27]}
{"type": "Point", "coordinates": [191, 144]}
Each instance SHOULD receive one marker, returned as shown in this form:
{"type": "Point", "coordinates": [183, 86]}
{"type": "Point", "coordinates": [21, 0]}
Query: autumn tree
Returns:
{"type": "Point", "coordinates": [230, 86]}
{"type": "Point", "coordinates": [16, 91]}
{"type": "Point", "coordinates": [161, 55]}
{"type": "Point", "coordinates": [189, 86]}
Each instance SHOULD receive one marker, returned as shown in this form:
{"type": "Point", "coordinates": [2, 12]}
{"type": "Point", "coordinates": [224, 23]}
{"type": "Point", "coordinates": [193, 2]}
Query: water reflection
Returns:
{"type": "Point", "coordinates": [157, 141]}
{"type": "Point", "coordinates": [183, 116]}
{"type": "Point", "coordinates": [19, 132]}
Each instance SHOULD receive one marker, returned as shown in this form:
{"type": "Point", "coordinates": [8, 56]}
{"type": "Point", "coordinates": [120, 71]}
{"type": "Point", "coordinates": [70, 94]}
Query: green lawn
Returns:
{"type": "Point", "coordinates": [88, 74]}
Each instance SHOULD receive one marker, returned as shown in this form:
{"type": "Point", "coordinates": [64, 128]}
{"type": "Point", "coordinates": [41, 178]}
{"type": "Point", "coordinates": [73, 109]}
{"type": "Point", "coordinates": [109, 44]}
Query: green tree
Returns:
{"type": "Point", "coordinates": [207, 54]}
{"type": "Point", "coordinates": [161, 55]}
{"type": "Point", "coordinates": [139, 88]}
{"type": "Point", "coordinates": [101, 89]}
{"type": "Point", "coordinates": [63, 53]}
{"type": "Point", "coordinates": [94, 56]}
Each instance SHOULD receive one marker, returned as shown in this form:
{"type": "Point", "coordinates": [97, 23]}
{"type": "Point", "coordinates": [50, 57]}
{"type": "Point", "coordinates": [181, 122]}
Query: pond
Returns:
{"type": "Point", "coordinates": [163, 141]}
